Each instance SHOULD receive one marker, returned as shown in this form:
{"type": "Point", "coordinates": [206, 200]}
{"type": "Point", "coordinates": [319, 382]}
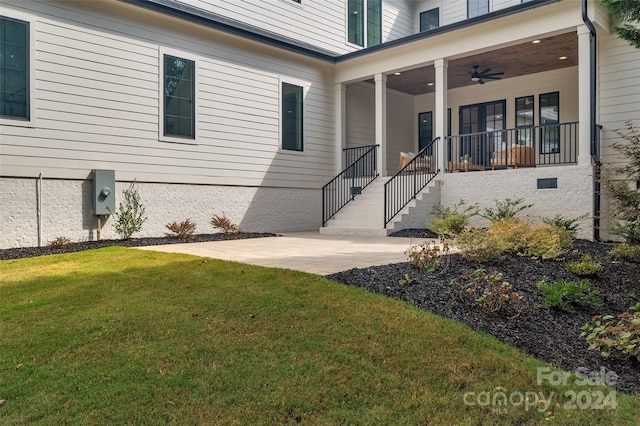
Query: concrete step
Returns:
{"type": "Point", "coordinates": [365, 232]}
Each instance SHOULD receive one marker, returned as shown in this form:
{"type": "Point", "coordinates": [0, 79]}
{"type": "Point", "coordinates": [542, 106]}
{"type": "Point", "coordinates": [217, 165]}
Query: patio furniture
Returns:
{"type": "Point", "coordinates": [516, 156]}
{"type": "Point", "coordinates": [464, 166]}
{"type": "Point", "coordinates": [425, 164]}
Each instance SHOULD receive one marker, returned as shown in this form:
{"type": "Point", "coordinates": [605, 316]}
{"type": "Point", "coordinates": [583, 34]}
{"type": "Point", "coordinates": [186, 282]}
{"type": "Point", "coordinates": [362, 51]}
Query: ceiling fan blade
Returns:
{"type": "Point", "coordinates": [486, 71]}
{"type": "Point", "coordinates": [481, 81]}
{"type": "Point", "coordinates": [488, 77]}
{"type": "Point", "coordinates": [492, 74]}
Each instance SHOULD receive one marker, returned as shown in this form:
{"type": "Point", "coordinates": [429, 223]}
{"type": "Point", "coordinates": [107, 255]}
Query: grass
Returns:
{"type": "Point", "coordinates": [117, 335]}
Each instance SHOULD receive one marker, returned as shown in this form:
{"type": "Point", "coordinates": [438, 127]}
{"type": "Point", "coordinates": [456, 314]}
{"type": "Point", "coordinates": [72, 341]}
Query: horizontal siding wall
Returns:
{"type": "Point", "coordinates": [98, 104]}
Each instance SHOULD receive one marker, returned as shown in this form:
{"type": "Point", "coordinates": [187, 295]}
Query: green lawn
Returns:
{"type": "Point", "coordinates": [122, 336]}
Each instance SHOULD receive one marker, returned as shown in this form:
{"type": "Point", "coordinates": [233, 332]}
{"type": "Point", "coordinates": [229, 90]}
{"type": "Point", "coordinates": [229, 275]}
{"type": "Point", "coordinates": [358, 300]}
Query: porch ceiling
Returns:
{"type": "Point", "coordinates": [521, 59]}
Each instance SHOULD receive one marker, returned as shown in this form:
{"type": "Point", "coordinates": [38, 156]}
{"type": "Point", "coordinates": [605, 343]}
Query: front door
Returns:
{"type": "Point", "coordinates": [481, 131]}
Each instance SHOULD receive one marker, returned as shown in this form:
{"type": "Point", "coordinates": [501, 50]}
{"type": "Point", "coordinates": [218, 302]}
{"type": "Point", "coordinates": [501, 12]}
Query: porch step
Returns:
{"type": "Point", "coordinates": [365, 214]}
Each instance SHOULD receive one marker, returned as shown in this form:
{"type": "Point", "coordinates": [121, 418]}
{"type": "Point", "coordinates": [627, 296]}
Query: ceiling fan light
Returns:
{"type": "Point", "coordinates": [475, 78]}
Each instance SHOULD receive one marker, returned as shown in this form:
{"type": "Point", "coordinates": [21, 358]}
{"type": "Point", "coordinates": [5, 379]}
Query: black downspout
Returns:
{"type": "Point", "coordinates": [595, 149]}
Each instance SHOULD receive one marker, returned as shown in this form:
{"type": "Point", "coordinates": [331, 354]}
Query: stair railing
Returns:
{"type": "Point", "coordinates": [410, 180]}
{"type": "Point", "coordinates": [350, 182]}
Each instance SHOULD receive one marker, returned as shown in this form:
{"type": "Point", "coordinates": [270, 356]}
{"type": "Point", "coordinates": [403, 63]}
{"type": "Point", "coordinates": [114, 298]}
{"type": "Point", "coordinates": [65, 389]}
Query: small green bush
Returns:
{"type": "Point", "coordinates": [606, 333]}
{"type": "Point", "coordinates": [560, 221]}
{"type": "Point", "coordinates": [585, 267]}
{"type": "Point", "coordinates": [185, 229]}
{"type": "Point", "coordinates": [478, 245]}
{"type": "Point", "coordinates": [490, 292]}
{"type": "Point", "coordinates": [429, 256]}
{"type": "Point", "coordinates": [505, 209]}
{"type": "Point", "coordinates": [564, 295]}
{"type": "Point", "coordinates": [515, 235]}
{"type": "Point", "coordinates": [548, 242]}
{"type": "Point", "coordinates": [130, 214]}
{"type": "Point", "coordinates": [448, 220]}
{"type": "Point", "coordinates": [626, 251]}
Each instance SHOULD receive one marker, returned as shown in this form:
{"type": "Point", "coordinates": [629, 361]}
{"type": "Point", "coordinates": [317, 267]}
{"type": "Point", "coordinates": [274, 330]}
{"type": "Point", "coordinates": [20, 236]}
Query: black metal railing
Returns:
{"type": "Point", "coordinates": [351, 155]}
{"type": "Point", "coordinates": [519, 147]}
{"type": "Point", "coordinates": [410, 180]}
{"type": "Point", "coordinates": [349, 183]}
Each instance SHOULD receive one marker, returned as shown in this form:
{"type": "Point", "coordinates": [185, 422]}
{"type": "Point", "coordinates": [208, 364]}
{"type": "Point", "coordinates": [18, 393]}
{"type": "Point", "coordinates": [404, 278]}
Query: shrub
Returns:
{"type": "Point", "coordinates": [585, 267]}
{"type": "Point", "coordinates": [448, 220]}
{"type": "Point", "coordinates": [505, 209]}
{"type": "Point", "coordinates": [564, 295]}
{"type": "Point", "coordinates": [490, 292]}
{"type": "Point", "coordinates": [547, 242]}
{"type": "Point", "coordinates": [185, 229]}
{"type": "Point", "coordinates": [479, 246]}
{"type": "Point", "coordinates": [513, 234]}
{"type": "Point", "coordinates": [570, 225]}
{"type": "Point", "coordinates": [130, 214]}
{"type": "Point", "coordinates": [626, 198]}
{"type": "Point", "coordinates": [429, 256]}
{"type": "Point", "coordinates": [628, 252]}
{"type": "Point", "coordinates": [224, 224]}
{"type": "Point", "coordinates": [59, 242]}
{"type": "Point", "coordinates": [606, 333]}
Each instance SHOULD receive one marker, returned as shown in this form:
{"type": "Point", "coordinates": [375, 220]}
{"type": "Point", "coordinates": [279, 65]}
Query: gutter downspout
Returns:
{"type": "Point", "coordinates": [40, 210]}
{"type": "Point", "coordinates": [592, 112]}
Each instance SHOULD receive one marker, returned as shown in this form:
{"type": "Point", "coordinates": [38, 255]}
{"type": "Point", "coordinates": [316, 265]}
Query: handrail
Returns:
{"type": "Point", "coordinates": [350, 182]}
{"type": "Point", "coordinates": [352, 154]}
{"type": "Point", "coordinates": [410, 180]}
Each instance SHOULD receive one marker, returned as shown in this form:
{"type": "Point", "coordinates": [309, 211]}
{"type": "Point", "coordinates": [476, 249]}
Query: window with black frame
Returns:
{"type": "Point", "coordinates": [425, 130]}
{"type": "Point", "coordinates": [525, 120]}
{"type": "Point", "coordinates": [292, 137]}
{"type": "Point", "coordinates": [549, 118]}
{"type": "Point", "coordinates": [430, 20]}
{"type": "Point", "coordinates": [364, 22]}
{"type": "Point", "coordinates": [14, 69]}
{"type": "Point", "coordinates": [179, 97]}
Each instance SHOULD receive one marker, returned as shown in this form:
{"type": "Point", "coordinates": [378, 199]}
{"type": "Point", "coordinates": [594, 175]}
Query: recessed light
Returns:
{"type": "Point", "coordinates": [562, 58]}
{"type": "Point", "coordinates": [397, 73]}
{"type": "Point", "coordinates": [535, 41]}
{"type": "Point", "coordinates": [429, 84]}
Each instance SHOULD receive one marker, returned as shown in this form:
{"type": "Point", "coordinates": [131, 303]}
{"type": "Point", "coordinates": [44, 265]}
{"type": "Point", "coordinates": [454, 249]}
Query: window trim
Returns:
{"type": "Point", "coordinates": [305, 92]}
{"type": "Point", "coordinates": [32, 24]}
{"type": "Point", "coordinates": [428, 11]}
{"type": "Point", "coordinates": [365, 25]}
{"type": "Point", "coordinates": [196, 98]}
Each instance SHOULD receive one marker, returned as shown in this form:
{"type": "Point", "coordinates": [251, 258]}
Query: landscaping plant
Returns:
{"type": "Point", "coordinates": [570, 225]}
{"type": "Point", "coordinates": [585, 267]}
{"type": "Point", "coordinates": [606, 333]}
{"type": "Point", "coordinates": [429, 256]}
{"type": "Point", "coordinates": [505, 209]}
{"type": "Point", "coordinates": [224, 224]}
{"type": "Point", "coordinates": [59, 242]}
{"type": "Point", "coordinates": [451, 221]}
{"type": "Point", "coordinates": [185, 229]}
{"type": "Point", "coordinates": [490, 292]}
{"type": "Point", "coordinates": [130, 214]}
{"type": "Point", "coordinates": [564, 295]}
{"type": "Point", "coordinates": [477, 245]}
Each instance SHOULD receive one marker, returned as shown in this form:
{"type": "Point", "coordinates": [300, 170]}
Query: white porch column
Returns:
{"type": "Point", "coordinates": [381, 122]}
{"type": "Point", "coordinates": [441, 66]}
{"type": "Point", "coordinates": [341, 123]}
{"type": "Point", "coordinates": [584, 98]}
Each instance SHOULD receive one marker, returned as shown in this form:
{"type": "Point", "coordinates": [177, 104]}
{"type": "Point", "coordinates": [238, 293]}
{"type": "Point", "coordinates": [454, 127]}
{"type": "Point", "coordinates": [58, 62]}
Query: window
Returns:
{"type": "Point", "coordinates": [360, 12]}
{"type": "Point", "coordinates": [179, 98]}
{"type": "Point", "coordinates": [298, 1]}
{"type": "Point", "coordinates": [477, 8]}
{"type": "Point", "coordinates": [292, 117]}
{"type": "Point", "coordinates": [14, 69]}
{"type": "Point", "coordinates": [430, 19]}
{"type": "Point", "coordinates": [425, 129]}
{"type": "Point", "coordinates": [524, 120]}
{"type": "Point", "coordinates": [549, 115]}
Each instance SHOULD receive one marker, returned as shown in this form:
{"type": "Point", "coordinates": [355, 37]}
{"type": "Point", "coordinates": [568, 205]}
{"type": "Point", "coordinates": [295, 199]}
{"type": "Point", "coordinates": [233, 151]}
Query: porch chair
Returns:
{"type": "Point", "coordinates": [425, 164]}
{"type": "Point", "coordinates": [514, 156]}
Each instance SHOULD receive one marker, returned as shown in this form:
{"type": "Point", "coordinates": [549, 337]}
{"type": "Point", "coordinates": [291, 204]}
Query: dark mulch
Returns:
{"type": "Point", "coordinates": [16, 253]}
{"type": "Point", "coordinates": [548, 334]}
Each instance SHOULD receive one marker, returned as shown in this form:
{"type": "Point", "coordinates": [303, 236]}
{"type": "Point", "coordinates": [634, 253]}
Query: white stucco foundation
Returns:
{"type": "Point", "coordinates": [67, 209]}
{"type": "Point", "coordinates": [572, 198]}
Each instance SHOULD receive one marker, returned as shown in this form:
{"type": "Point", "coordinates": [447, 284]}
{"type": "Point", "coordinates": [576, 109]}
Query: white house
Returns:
{"type": "Point", "coordinates": [249, 108]}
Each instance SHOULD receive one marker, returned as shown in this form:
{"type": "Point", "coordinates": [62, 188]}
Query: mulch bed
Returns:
{"type": "Point", "coordinates": [16, 253]}
{"type": "Point", "coordinates": [547, 334]}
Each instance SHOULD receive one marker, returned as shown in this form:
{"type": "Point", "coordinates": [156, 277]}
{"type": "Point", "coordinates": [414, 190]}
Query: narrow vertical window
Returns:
{"type": "Point", "coordinates": [374, 22]}
{"type": "Point", "coordinates": [292, 117]}
{"type": "Point", "coordinates": [524, 120]}
{"type": "Point", "coordinates": [477, 8]}
{"type": "Point", "coordinates": [14, 69]}
{"type": "Point", "coordinates": [355, 22]}
{"type": "Point", "coordinates": [425, 129]}
{"type": "Point", "coordinates": [179, 97]}
{"type": "Point", "coordinates": [549, 117]}
{"type": "Point", "coordinates": [430, 19]}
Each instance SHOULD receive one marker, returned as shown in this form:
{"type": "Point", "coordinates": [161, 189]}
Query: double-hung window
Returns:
{"type": "Point", "coordinates": [291, 126]}
{"type": "Point", "coordinates": [477, 8]}
{"type": "Point", "coordinates": [15, 90]}
{"type": "Point", "coordinates": [364, 22]}
{"type": "Point", "coordinates": [179, 96]}
{"type": "Point", "coordinates": [430, 19]}
{"type": "Point", "coordinates": [524, 120]}
{"type": "Point", "coordinates": [549, 118]}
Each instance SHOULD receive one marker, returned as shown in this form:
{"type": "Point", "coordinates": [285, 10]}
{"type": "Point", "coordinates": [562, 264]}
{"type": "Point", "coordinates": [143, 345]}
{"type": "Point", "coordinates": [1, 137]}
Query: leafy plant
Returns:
{"type": "Point", "coordinates": [628, 252]}
{"type": "Point", "coordinates": [59, 242]}
{"type": "Point", "coordinates": [627, 12]}
{"type": "Point", "coordinates": [606, 333]}
{"type": "Point", "coordinates": [185, 229]}
{"type": "Point", "coordinates": [130, 214]}
{"type": "Point", "coordinates": [406, 280]}
{"type": "Point", "coordinates": [541, 241]}
{"type": "Point", "coordinates": [477, 245]}
{"type": "Point", "coordinates": [626, 198]}
{"type": "Point", "coordinates": [429, 255]}
{"type": "Point", "coordinates": [570, 225]}
{"type": "Point", "coordinates": [465, 157]}
{"type": "Point", "coordinates": [449, 220]}
{"type": "Point", "coordinates": [564, 295]}
{"type": "Point", "coordinates": [505, 209]}
{"type": "Point", "coordinates": [224, 224]}
{"type": "Point", "coordinates": [491, 292]}
{"type": "Point", "coordinates": [585, 267]}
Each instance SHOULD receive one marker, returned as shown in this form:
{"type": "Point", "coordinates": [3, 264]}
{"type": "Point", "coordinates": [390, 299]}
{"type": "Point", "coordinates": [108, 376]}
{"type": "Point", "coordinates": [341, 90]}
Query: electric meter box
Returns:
{"type": "Point", "coordinates": [104, 192]}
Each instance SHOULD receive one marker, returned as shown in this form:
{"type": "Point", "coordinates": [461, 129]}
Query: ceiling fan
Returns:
{"type": "Point", "coordinates": [479, 77]}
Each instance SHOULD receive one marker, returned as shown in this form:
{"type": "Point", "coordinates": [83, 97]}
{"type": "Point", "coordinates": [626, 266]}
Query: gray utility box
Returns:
{"type": "Point", "coordinates": [104, 192]}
